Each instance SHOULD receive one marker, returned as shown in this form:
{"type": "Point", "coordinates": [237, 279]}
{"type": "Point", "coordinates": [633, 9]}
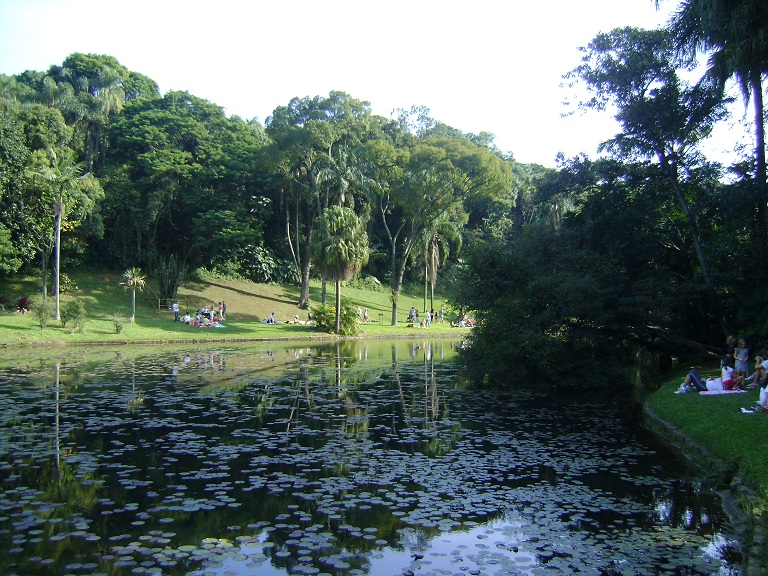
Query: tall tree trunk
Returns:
{"type": "Point", "coordinates": [57, 256]}
{"type": "Point", "coordinates": [337, 323]}
{"type": "Point", "coordinates": [45, 259]}
{"type": "Point", "coordinates": [694, 232]}
{"type": "Point", "coordinates": [323, 289]}
{"type": "Point", "coordinates": [760, 168]}
{"type": "Point", "coordinates": [431, 295]}
{"type": "Point", "coordinates": [306, 265]}
{"type": "Point", "coordinates": [395, 282]}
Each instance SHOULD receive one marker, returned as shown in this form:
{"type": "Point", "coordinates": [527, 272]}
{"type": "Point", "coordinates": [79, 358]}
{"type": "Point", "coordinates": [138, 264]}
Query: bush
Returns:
{"type": "Point", "coordinates": [42, 310]}
{"type": "Point", "coordinates": [4, 302]}
{"type": "Point", "coordinates": [66, 283]}
{"type": "Point", "coordinates": [73, 311]}
{"type": "Point", "coordinates": [119, 322]}
{"type": "Point", "coordinates": [324, 318]}
{"type": "Point", "coordinates": [367, 282]}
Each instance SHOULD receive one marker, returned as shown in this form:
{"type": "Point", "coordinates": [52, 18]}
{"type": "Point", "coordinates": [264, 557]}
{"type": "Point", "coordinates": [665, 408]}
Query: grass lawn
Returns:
{"type": "Point", "coordinates": [734, 440]}
{"type": "Point", "coordinates": [724, 439]}
{"type": "Point", "coordinates": [248, 304]}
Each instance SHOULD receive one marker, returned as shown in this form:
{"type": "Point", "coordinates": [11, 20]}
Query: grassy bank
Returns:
{"type": "Point", "coordinates": [714, 432]}
{"type": "Point", "coordinates": [247, 305]}
{"type": "Point", "coordinates": [716, 424]}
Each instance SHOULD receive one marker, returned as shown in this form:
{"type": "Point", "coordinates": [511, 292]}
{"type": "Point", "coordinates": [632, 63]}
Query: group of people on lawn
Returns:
{"type": "Point", "coordinates": [734, 369]}
{"type": "Point", "coordinates": [206, 317]}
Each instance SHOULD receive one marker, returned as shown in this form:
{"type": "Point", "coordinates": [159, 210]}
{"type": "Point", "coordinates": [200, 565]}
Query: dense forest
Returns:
{"type": "Point", "coordinates": [650, 250]}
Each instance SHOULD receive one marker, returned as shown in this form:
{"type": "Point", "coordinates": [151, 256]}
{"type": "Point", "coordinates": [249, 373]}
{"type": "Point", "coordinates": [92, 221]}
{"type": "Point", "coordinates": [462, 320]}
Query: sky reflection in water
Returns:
{"type": "Point", "coordinates": [362, 457]}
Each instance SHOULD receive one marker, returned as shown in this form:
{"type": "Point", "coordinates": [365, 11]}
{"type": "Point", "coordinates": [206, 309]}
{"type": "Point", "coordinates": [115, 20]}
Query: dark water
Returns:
{"type": "Point", "coordinates": [360, 458]}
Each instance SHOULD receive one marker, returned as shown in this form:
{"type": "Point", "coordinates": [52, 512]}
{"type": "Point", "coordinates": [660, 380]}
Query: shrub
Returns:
{"type": "Point", "coordinates": [367, 282]}
{"type": "Point", "coordinates": [119, 322]}
{"type": "Point", "coordinates": [66, 283]}
{"type": "Point", "coordinates": [4, 302]}
{"type": "Point", "coordinates": [324, 318]}
{"type": "Point", "coordinates": [23, 304]}
{"type": "Point", "coordinates": [42, 310]}
{"type": "Point", "coordinates": [73, 311]}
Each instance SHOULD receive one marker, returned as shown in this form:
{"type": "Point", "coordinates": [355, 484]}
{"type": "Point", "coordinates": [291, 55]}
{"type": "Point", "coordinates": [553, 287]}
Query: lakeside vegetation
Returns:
{"type": "Point", "coordinates": [248, 304]}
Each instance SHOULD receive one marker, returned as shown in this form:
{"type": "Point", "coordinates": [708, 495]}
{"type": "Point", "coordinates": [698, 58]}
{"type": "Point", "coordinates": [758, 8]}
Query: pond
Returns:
{"type": "Point", "coordinates": [364, 457]}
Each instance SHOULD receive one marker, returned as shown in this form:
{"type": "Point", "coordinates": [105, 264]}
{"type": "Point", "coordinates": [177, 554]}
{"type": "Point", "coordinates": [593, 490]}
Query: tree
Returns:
{"type": "Point", "coordinates": [313, 140]}
{"type": "Point", "coordinates": [174, 163]}
{"type": "Point", "coordinates": [134, 280]}
{"type": "Point", "coordinates": [63, 178]}
{"type": "Point", "coordinates": [735, 33]}
{"type": "Point", "coordinates": [340, 248]}
{"type": "Point", "coordinates": [97, 83]}
{"type": "Point", "coordinates": [413, 188]}
{"type": "Point", "coordinates": [13, 157]}
{"type": "Point", "coordinates": [436, 244]}
{"type": "Point", "coordinates": [661, 116]}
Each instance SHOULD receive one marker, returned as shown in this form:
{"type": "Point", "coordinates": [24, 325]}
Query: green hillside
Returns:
{"type": "Point", "coordinates": [248, 304]}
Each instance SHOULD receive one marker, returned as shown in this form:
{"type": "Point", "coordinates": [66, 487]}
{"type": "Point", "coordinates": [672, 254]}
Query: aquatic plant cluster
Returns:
{"type": "Point", "coordinates": [330, 461]}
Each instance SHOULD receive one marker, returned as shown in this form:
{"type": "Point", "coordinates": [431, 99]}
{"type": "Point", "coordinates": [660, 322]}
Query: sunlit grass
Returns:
{"type": "Point", "coordinates": [248, 304]}
{"type": "Point", "coordinates": [729, 439]}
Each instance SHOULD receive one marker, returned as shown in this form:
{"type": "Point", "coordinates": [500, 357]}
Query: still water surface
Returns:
{"type": "Point", "coordinates": [366, 457]}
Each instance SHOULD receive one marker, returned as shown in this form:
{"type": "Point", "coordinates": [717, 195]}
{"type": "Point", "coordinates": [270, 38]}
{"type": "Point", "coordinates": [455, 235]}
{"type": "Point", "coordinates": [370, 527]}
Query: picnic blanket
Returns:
{"type": "Point", "coordinates": [715, 392]}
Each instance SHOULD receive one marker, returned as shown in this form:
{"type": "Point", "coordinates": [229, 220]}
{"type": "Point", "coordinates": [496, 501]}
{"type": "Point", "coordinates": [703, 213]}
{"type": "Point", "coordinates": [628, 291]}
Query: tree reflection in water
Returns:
{"type": "Point", "coordinates": [350, 456]}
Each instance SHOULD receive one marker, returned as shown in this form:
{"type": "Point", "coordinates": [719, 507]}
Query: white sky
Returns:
{"type": "Point", "coordinates": [485, 65]}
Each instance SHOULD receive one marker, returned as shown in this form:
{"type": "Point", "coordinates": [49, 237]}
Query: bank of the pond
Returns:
{"type": "Point", "coordinates": [729, 445]}
{"type": "Point", "coordinates": [108, 309]}
{"type": "Point", "coordinates": [294, 337]}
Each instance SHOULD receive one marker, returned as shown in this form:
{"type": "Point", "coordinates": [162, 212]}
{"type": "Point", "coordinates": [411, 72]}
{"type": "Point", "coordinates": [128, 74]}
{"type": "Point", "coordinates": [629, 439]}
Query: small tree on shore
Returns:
{"type": "Point", "coordinates": [134, 280]}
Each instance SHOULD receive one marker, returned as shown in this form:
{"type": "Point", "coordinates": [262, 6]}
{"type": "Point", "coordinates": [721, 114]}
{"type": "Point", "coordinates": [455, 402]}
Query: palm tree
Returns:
{"type": "Point", "coordinates": [134, 280]}
{"type": "Point", "coordinates": [340, 248]}
{"type": "Point", "coordinates": [61, 176]}
{"type": "Point", "coordinates": [338, 174]}
{"type": "Point", "coordinates": [437, 243]}
{"type": "Point", "coordinates": [735, 32]}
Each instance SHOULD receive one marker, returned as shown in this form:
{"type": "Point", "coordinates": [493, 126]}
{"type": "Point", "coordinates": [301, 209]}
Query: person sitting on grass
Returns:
{"type": "Point", "coordinates": [760, 375]}
{"type": "Point", "coordinates": [732, 379]}
{"type": "Point", "coordinates": [692, 382]}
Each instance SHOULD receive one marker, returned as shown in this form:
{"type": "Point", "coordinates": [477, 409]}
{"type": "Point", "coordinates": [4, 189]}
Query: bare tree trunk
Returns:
{"type": "Point", "coordinates": [323, 289]}
{"type": "Point", "coordinates": [426, 280]}
{"type": "Point", "coordinates": [760, 168]}
{"type": "Point", "coordinates": [57, 257]}
{"type": "Point", "coordinates": [337, 323]}
{"type": "Point", "coordinates": [306, 265]}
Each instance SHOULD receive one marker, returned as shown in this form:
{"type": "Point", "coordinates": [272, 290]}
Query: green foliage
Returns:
{"type": "Point", "coordinates": [9, 260]}
{"type": "Point", "coordinates": [366, 282]}
{"type": "Point", "coordinates": [42, 310]}
{"type": "Point", "coordinates": [556, 312]}
{"type": "Point", "coordinates": [74, 312]}
{"type": "Point", "coordinates": [170, 274]}
{"type": "Point", "coordinates": [324, 318]}
{"type": "Point", "coordinates": [119, 322]}
{"type": "Point", "coordinates": [66, 284]}
{"type": "Point", "coordinates": [259, 264]}
{"type": "Point", "coordinates": [340, 248]}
